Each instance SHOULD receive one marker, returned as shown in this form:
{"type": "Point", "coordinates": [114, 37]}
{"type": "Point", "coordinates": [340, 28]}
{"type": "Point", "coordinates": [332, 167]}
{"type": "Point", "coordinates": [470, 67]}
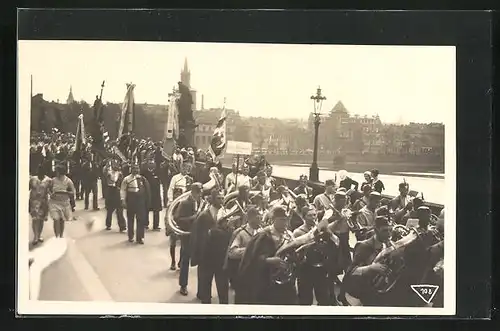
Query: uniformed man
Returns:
{"type": "Point", "coordinates": [303, 188]}
{"type": "Point", "coordinates": [114, 180]}
{"type": "Point", "coordinates": [135, 196]}
{"type": "Point", "coordinates": [90, 173]}
{"type": "Point", "coordinates": [155, 185]}
{"type": "Point", "coordinates": [239, 241]}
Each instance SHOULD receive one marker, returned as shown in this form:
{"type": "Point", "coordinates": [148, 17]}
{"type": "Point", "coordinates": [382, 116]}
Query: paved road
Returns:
{"type": "Point", "coordinates": [102, 265]}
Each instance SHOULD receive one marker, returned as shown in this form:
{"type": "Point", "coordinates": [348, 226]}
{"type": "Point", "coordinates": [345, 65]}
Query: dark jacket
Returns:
{"type": "Point", "coordinates": [348, 182]}
{"type": "Point", "coordinates": [155, 187]}
{"type": "Point", "coordinates": [216, 247]}
{"type": "Point", "coordinates": [199, 236]}
{"type": "Point", "coordinates": [185, 213]}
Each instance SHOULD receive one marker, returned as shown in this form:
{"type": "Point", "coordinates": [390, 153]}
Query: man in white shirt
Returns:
{"type": "Point", "coordinates": [243, 178]}
{"type": "Point", "coordinates": [231, 179]}
{"type": "Point", "coordinates": [179, 181]}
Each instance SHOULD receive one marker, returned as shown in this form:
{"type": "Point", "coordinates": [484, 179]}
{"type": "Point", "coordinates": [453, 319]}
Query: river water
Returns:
{"type": "Point", "coordinates": [433, 189]}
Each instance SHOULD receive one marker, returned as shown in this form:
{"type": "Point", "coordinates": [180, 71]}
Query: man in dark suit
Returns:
{"type": "Point", "coordinates": [202, 255]}
{"type": "Point", "coordinates": [358, 279]}
{"type": "Point", "coordinates": [89, 173]}
{"type": "Point", "coordinates": [185, 215]}
{"type": "Point", "coordinates": [149, 172]}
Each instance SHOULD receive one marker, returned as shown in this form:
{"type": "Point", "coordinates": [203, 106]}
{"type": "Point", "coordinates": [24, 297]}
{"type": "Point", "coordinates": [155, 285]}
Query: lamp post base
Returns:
{"type": "Point", "coordinates": [314, 173]}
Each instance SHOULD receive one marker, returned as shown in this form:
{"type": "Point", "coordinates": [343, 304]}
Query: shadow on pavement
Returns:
{"type": "Point", "coordinates": [166, 274]}
{"type": "Point", "coordinates": [121, 245]}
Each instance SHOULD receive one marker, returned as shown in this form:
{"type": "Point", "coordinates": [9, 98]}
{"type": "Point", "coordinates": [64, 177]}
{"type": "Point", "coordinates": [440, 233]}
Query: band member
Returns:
{"type": "Point", "coordinates": [324, 200]}
{"type": "Point", "coordinates": [296, 215]}
{"type": "Point", "coordinates": [206, 220]}
{"type": "Point", "coordinates": [179, 181]}
{"type": "Point", "coordinates": [403, 199]}
{"type": "Point", "coordinates": [230, 181]}
{"type": "Point", "coordinates": [347, 182]}
{"type": "Point", "coordinates": [173, 238]}
{"type": "Point", "coordinates": [363, 201]}
{"type": "Point", "coordinates": [303, 188]}
{"type": "Point", "coordinates": [209, 243]}
{"type": "Point", "coordinates": [377, 184]}
{"type": "Point", "coordinates": [185, 215]}
{"type": "Point", "coordinates": [74, 173]}
{"type": "Point", "coordinates": [417, 261]}
{"type": "Point", "coordinates": [359, 276]}
{"type": "Point", "coordinates": [62, 192]}
{"type": "Point", "coordinates": [402, 215]}
{"type": "Point", "coordinates": [113, 201]}
{"type": "Point", "coordinates": [243, 201]}
{"type": "Point", "coordinates": [262, 184]}
{"type": "Point", "coordinates": [155, 186]}
{"type": "Point", "coordinates": [39, 203]}
{"type": "Point", "coordinates": [238, 243]}
{"type": "Point", "coordinates": [317, 261]}
{"type": "Point", "coordinates": [259, 263]}
{"type": "Point", "coordinates": [366, 215]}
{"type": "Point", "coordinates": [368, 180]}
{"type": "Point", "coordinates": [90, 173]}
{"type": "Point", "coordinates": [270, 180]}
{"type": "Point", "coordinates": [338, 225]}
{"type": "Point", "coordinates": [135, 196]}
{"type": "Point", "coordinates": [243, 178]}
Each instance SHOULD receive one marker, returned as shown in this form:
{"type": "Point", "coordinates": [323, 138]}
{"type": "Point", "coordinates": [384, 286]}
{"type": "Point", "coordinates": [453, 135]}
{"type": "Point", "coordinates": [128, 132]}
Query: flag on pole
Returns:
{"type": "Point", "coordinates": [171, 126]}
{"type": "Point", "coordinates": [218, 142]}
{"type": "Point", "coordinates": [80, 139]}
{"type": "Point", "coordinates": [127, 112]}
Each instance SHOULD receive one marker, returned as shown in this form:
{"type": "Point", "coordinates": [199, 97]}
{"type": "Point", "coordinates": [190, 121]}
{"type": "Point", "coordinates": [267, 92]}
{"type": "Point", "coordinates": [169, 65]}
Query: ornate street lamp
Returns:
{"type": "Point", "coordinates": [318, 103]}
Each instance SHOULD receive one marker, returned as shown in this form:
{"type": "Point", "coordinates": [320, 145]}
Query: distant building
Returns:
{"type": "Point", "coordinates": [70, 98]}
{"type": "Point", "coordinates": [186, 80]}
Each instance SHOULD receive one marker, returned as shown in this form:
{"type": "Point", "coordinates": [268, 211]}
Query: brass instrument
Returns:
{"type": "Point", "coordinates": [315, 253]}
{"type": "Point", "coordinates": [170, 216]}
{"type": "Point", "coordinates": [285, 275]}
{"type": "Point", "coordinates": [393, 258]}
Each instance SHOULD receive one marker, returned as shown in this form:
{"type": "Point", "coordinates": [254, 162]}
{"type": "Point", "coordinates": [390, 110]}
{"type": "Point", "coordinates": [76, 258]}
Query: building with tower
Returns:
{"type": "Point", "coordinates": [186, 80]}
{"type": "Point", "coordinates": [70, 98]}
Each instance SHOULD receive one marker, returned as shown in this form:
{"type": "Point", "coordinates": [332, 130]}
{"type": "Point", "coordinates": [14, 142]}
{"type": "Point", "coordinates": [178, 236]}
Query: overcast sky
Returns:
{"type": "Point", "coordinates": [401, 84]}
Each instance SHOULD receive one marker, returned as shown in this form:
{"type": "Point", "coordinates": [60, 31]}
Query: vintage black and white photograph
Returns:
{"type": "Point", "coordinates": [230, 178]}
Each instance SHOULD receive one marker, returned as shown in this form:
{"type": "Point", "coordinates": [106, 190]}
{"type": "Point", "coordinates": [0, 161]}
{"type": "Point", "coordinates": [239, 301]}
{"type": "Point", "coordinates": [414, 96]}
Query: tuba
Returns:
{"type": "Point", "coordinates": [170, 213]}
{"type": "Point", "coordinates": [393, 258]}
{"type": "Point", "coordinates": [315, 253]}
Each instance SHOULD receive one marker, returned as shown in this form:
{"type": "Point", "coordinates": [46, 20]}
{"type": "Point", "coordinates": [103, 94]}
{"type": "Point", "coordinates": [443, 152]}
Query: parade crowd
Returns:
{"type": "Point", "coordinates": [247, 230]}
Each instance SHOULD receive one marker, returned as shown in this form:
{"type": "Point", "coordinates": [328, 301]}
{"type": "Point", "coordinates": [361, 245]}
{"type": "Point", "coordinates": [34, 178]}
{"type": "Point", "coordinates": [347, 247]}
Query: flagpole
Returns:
{"type": "Point", "coordinates": [31, 94]}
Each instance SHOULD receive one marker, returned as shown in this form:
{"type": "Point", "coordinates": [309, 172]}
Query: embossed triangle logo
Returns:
{"type": "Point", "coordinates": [426, 292]}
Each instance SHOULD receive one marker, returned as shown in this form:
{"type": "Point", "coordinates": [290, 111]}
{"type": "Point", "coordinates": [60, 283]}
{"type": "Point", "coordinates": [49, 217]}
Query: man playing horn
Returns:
{"type": "Point", "coordinates": [209, 242]}
{"type": "Point", "coordinates": [239, 241]}
{"type": "Point", "coordinates": [187, 211]}
{"type": "Point", "coordinates": [359, 276]}
{"type": "Point", "coordinates": [303, 188]}
{"type": "Point", "coordinates": [259, 263]}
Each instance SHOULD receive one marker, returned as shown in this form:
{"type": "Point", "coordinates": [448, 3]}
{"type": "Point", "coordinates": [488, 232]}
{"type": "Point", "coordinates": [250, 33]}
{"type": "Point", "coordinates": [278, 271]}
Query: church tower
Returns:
{"type": "Point", "coordinates": [186, 74]}
{"type": "Point", "coordinates": [70, 99]}
{"type": "Point", "coordinates": [186, 80]}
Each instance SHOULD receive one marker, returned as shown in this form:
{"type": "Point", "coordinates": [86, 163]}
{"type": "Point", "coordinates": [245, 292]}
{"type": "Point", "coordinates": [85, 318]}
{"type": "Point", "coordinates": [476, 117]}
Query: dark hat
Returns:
{"type": "Point", "coordinates": [301, 199]}
{"type": "Point", "coordinates": [381, 221]}
{"type": "Point", "coordinates": [196, 187]}
{"type": "Point", "coordinates": [307, 208]}
{"type": "Point", "coordinates": [424, 209]}
{"type": "Point", "coordinates": [342, 189]}
{"type": "Point", "coordinates": [382, 211]}
{"type": "Point", "coordinates": [252, 211]}
{"type": "Point", "coordinates": [243, 188]}
{"type": "Point", "coordinates": [329, 182]}
{"type": "Point", "coordinates": [303, 177]}
{"type": "Point", "coordinates": [340, 193]}
{"type": "Point", "coordinates": [367, 188]}
{"type": "Point", "coordinates": [279, 211]}
{"type": "Point", "coordinates": [403, 185]}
